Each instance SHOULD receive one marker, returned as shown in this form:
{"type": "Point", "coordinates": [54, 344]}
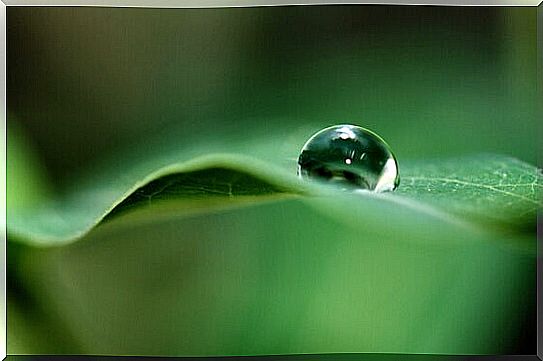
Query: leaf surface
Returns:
{"type": "Point", "coordinates": [479, 190]}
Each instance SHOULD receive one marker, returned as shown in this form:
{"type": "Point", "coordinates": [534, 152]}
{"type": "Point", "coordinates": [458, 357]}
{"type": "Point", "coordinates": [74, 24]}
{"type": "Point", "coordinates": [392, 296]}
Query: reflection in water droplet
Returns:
{"type": "Point", "coordinates": [349, 155]}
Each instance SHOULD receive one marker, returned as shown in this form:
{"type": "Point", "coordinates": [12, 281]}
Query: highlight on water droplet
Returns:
{"type": "Point", "coordinates": [350, 156]}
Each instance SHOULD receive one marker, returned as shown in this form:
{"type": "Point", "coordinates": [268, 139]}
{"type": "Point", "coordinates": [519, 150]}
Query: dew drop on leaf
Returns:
{"type": "Point", "coordinates": [350, 156]}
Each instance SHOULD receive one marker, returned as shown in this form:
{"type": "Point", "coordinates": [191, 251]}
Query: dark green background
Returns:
{"type": "Point", "coordinates": [433, 81]}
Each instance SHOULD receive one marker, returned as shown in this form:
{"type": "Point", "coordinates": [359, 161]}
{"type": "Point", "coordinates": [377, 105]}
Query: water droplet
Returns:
{"type": "Point", "coordinates": [350, 156]}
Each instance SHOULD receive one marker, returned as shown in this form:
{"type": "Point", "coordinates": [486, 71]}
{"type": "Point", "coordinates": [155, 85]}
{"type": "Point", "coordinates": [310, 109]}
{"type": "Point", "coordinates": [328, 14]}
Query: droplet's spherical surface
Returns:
{"type": "Point", "coordinates": [350, 156]}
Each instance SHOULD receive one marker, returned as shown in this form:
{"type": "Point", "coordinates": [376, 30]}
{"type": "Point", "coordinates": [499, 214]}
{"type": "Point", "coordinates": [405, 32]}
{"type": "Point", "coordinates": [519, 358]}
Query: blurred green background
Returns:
{"type": "Point", "coordinates": [85, 83]}
{"type": "Point", "coordinates": [92, 85]}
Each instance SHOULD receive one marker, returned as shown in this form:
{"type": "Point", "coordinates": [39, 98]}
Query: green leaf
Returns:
{"type": "Point", "coordinates": [493, 188]}
{"type": "Point", "coordinates": [238, 249]}
{"type": "Point", "coordinates": [485, 188]}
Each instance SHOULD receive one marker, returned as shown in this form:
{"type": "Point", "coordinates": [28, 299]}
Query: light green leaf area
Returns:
{"type": "Point", "coordinates": [493, 188]}
{"type": "Point", "coordinates": [476, 190]}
